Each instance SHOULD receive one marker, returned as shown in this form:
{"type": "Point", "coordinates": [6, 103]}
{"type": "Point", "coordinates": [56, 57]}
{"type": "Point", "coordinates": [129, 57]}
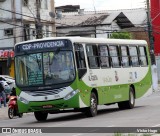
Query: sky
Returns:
{"type": "Point", "coordinates": [89, 5]}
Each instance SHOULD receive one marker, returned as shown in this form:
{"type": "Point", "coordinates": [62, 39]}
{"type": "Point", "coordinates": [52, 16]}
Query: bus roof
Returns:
{"type": "Point", "coordinates": [92, 40]}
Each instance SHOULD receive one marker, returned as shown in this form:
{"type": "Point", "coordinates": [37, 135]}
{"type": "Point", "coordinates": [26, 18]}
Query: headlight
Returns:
{"type": "Point", "coordinates": [71, 94]}
{"type": "Point", "coordinates": [23, 100]}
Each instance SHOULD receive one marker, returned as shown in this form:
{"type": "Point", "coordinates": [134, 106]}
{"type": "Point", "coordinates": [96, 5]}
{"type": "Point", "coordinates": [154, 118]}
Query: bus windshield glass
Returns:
{"type": "Point", "coordinates": [47, 68]}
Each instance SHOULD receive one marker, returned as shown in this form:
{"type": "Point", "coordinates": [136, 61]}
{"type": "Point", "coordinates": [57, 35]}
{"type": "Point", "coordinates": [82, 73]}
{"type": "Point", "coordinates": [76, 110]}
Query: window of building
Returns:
{"type": "Point", "coordinates": [8, 32]}
{"type": "Point", "coordinates": [25, 2]}
{"type": "Point", "coordinates": [93, 58]}
{"type": "Point", "coordinates": [26, 32]}
{"type": "Point", "coordinates": [113, 50]}
{"type": "Point", "coordinates": [143, 56]}
{"type": "Point", "coordinates": [124, 56]}
{"type": "Point", "coordinates": [104, 56]}
{"type": "Point", "coordinates": [134, 56]}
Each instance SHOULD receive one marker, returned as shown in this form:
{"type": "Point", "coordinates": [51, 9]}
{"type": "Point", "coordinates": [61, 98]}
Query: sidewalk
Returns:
{"type": "Point", "coordinates": [4, 112]}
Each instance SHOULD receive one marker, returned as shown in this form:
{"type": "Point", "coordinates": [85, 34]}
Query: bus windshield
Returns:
{"type": "Point", "coordinates": [47, 68]}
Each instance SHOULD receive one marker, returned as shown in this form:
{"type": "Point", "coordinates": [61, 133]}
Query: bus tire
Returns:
{"type": "Point", "coordinates": [20, 115]}
{"type": "Point", "coordinates": [92, 110]}
{"type": "Point", "coordinates": [40, 116]}
{"type": "Point", "coordinates": [130, 103]}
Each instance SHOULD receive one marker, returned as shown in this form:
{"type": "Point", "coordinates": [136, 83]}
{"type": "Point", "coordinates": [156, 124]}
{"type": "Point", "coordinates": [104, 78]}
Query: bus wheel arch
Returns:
{"type": "Point", "coordinates": [91, 111]}
{"type": "Point", "coordinates": [129, 104]}
{"type": "Point", "coordinates": [133, 89]}
{"type": "Point", "coordinates": [96, 93]}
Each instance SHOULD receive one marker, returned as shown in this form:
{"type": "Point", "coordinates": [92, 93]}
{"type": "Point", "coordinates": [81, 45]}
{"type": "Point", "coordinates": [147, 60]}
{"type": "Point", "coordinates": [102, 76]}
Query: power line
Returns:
{"type": "Point", "coordinates": [22, 26]}
{"type": "Point", "coordinates": [29, 9]}
{"type": "Point", "coordinates": [63, 25]}
{"type": "Point", "coordinates": [30, 16]}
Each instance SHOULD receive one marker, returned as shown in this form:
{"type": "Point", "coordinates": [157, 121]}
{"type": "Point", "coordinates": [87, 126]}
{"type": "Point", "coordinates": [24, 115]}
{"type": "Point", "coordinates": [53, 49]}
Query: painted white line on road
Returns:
{"type": "Point", "coordinates": [13, 134]}
{"type": "Point", "coordinates": [111, 126]}
{"type": "Point", "coordinates": [156, 125]}
{"type": "Point", "coordinates": [78, 134]}
{"type": "Point", "coordinates": [55, 125]}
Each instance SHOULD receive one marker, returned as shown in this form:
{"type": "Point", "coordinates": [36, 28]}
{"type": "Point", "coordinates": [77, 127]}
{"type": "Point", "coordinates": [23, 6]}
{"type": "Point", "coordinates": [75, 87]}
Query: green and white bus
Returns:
{"type": "Point", "coordinates": [57, 74]}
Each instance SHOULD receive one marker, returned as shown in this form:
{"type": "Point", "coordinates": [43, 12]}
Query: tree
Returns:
{"type": "Point", "coordinates": [121, 35]}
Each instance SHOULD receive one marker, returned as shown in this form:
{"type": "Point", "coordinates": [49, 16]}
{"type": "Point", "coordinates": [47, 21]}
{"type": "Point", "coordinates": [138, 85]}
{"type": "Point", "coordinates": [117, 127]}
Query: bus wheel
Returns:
{"type": "Point", "coordinates": [20, 115]}
{"type": "Point", "coordinates": [40, 116]}
{"type": "Point", "coordinates": [130, 103]}
{"type": "Point", "coordinates": [92, 110]}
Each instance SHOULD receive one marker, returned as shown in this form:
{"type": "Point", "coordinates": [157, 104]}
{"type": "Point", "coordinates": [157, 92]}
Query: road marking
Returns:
{"type": "Point", "coordinates": [55, 125]}
{"type": "Point", "coordinates": [156, 125]}
{"type": "Point", "coordinates": [111, 126]}
{"type": "Point", "coordinates": [12, 134]}
{"type": "Point", "coordinates": [77, 134]}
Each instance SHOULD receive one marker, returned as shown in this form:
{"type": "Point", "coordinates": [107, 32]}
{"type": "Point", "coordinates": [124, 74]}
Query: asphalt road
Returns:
{"type": "Point", "coordinates": [145, 114]}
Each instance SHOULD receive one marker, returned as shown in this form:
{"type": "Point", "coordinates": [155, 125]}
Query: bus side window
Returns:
{"type": "Point", "coordinates": [143, 56]}
{"type": "Point", "coordinates": [80, 60]}
{"type": "Point", "coordinates": [124, 56]}
{"type": "Point", "coordinates": [113, 50]}
{"type": "Point", "coordinates": [134, 56]}
{"type": "Point", "coordinates": [93, 58]}
{"type": "Point", "coordinates": [104, 56]}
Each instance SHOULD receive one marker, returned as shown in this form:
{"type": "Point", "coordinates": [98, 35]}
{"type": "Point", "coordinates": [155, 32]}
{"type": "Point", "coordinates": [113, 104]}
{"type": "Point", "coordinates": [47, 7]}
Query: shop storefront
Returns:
{"type": "Point", "coordinates": [7, 67]}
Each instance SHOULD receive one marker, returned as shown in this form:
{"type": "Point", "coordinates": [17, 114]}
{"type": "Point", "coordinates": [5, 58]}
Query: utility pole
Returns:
{"type": "Point", "coordinates": [150, 35]}
{"type": "Point", "coordinates": [38, 24]}
{"type": "Point", "coordinates": [53, 18]}
{"type": "Point", "coordinates": [14, 19]}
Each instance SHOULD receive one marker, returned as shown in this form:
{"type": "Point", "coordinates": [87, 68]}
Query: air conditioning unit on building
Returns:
{"type": "Point", "coordinates": [2, 0]}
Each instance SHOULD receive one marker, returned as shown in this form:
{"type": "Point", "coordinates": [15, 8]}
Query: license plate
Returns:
{"type": "Point", "coordinates": [47, 106]}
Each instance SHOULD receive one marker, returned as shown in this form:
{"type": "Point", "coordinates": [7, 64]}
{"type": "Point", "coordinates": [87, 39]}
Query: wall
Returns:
{"type": "Point", "coordinates": [44, 15]}
{"type": "Point", "coordinates": [76, 31]}
{"type": "Point", "coordinates": [106, 30]}
{"type": "Point", "coordinates": [155, 17]}
{"type": "Point", "coordinates": [5, 41]}
{"type": "Point", "coordinates": [5, 14]}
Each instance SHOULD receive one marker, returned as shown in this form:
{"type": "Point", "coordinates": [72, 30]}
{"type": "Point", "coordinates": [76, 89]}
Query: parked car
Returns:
{"type": "Point", "coordinates": [9, 80]}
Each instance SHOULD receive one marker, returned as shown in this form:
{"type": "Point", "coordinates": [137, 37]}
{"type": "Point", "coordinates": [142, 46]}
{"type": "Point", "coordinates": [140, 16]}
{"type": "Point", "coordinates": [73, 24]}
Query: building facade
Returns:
{"type": "Point", "coordinates": [102, 23]}
{"type": "Point", "coordinates": [91, 24]}
{"type": "Point", "coordinates": [155, 21]}
{"type": "Point", "coordinates": [22, 20]}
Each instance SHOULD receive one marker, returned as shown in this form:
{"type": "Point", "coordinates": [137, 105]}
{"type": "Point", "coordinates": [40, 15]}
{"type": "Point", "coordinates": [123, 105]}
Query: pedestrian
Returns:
{"type": "Point", "coordinates": [2, 94]}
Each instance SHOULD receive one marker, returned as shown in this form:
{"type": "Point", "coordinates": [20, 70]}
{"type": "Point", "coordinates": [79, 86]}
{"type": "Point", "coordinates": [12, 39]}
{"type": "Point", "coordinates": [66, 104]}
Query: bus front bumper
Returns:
{"type": "Point", "coordinates": [52, 105]}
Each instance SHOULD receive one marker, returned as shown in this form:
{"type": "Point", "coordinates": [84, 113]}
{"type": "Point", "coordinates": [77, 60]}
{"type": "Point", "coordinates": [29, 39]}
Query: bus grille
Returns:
{"type": "Point", "coordinates": [44, 92]}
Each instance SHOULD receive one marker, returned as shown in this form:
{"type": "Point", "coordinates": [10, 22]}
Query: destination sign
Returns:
{"type": "Point", "coordinates": [42, 45]}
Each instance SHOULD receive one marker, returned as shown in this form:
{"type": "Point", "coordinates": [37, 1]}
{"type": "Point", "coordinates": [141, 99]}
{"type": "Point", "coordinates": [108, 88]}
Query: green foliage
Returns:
{"type": "Point", "coordinates": [121, 35]}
